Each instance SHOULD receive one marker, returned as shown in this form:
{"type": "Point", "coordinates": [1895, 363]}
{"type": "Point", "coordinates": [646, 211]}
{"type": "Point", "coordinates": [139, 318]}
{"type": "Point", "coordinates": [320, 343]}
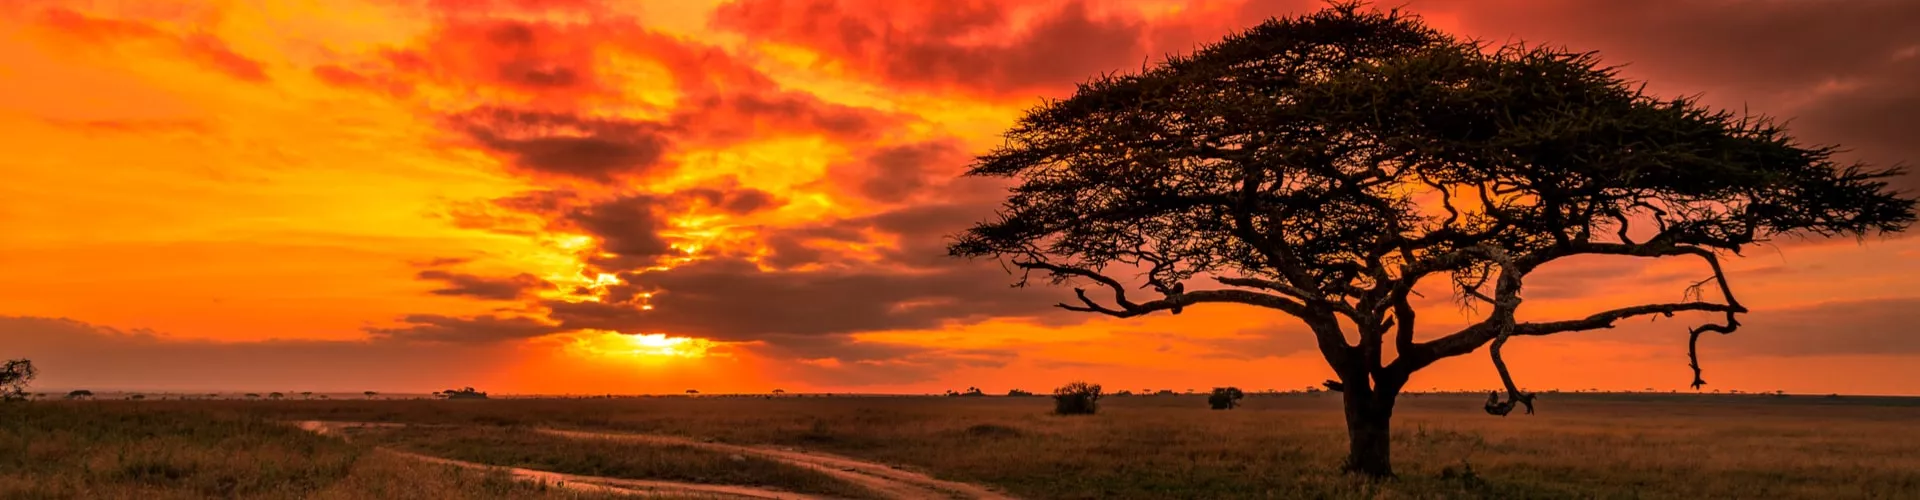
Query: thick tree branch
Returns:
{"type": "Point", "coordinates": [1127, 308]}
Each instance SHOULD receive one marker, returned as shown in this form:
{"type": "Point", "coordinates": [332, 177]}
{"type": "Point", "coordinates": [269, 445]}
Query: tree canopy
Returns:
{"type": "Point", "coordinates": [14, 378]}
{"type": "Point", "coordinates": [1325, 165]}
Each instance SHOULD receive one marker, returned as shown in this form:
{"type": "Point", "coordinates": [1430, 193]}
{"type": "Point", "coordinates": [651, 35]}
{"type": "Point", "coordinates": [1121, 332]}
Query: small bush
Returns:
{"type": "Point", "coordinates": [1077, 398]}
{"type": "Point", "coordinates": [1225, 398]}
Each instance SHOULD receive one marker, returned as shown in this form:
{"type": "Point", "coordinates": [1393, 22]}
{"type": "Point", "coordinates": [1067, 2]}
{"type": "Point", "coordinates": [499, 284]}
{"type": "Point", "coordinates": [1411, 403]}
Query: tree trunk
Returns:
{"type": "Point", "coordinates": [1369, 429]}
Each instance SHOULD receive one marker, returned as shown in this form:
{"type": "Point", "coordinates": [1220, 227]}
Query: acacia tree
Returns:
{"type": "Point", "coordinates": [1324, 166]}
{"type": "Point", "coordinates": [14, 378]}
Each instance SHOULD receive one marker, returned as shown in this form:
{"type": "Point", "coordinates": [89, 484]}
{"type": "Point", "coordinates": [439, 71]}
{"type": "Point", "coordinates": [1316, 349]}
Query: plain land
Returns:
{"type": "Point", "coordinates": [1275, 446]}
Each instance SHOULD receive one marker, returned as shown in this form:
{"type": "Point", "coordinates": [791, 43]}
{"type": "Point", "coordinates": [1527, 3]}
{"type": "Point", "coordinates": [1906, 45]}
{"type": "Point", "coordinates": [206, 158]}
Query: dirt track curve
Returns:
{"type": "Point", "coordinates": [593, 484]}
{"type": "Point", "coordinates": [882, 479]}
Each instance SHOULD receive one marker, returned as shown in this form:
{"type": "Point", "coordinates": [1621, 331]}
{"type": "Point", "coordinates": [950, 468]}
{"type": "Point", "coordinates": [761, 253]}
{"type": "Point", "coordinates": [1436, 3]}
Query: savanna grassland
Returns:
{"type": "Point", "coordinates": [1285, 446]}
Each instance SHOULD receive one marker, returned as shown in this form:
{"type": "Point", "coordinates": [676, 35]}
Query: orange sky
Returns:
{"type": "Point", "coordinates": [414, 194]}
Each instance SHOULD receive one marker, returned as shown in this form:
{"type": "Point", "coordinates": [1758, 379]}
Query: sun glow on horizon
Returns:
{"type": "Point", "coordinates": [640, 347]}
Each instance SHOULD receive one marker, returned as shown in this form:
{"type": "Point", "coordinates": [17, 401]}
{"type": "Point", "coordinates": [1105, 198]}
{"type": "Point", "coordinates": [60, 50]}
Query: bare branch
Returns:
{"type": "Point", "coordinates": [1172, 302]}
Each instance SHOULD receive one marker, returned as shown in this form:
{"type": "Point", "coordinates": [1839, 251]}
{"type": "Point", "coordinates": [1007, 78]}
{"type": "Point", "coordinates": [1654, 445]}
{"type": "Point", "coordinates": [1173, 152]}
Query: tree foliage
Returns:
{"type": "Point", "coordinates": [14, 378]}
{"type": "Point", "coordinates": [1325, 165]}
{"type": "Point", "coordinates": [1225, 398]}
{"type": "Point", "coordinates": [1076, 398]}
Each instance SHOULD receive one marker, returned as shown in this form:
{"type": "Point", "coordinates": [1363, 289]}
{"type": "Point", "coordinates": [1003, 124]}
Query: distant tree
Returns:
{"type": "Point", "coordinates": [691, 391]}
{"type": "Point", "coordinates": [463, 393]}
{"type": "Point", "coordinates": [80, 394]}
{"type": "Point", "coordinates": [275, 395]}
{"type": "Point", "coordinates": [1165, 392]}
{"type": "Point", "coordinates": [253, 395]}
{"type": "Point", "coordinates": [1225, 398]}
{"type": "Point", "coordinates": [1322, 166]}
{"type": "Point", "coordinates": [306, 394]}
{"type": "Point", "coordinates": [779, 391]}
{"type": "Point", "coordinates": [1076, 398]}
{"type": "Point", "coordinates": [1124, 392]}
{"type": "Point", "coordinates": [369, 394]}
{"type": "Point", "coordinates": [14, 378]}
{"type": "Point", "coordinates": [973, 391]}
{"type": "Point", "coordinates": [952, 393]}
{"type": "Point", "coordinates": [1020, 393]}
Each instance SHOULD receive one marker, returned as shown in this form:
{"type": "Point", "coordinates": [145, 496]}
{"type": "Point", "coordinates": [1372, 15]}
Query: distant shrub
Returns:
{"type": "Point", "coordinates": [1225, 398]}
{"type": "Point", "coordinates": [1077, 398]}
{"type": "Point", "coordinates": [1018, 393]}
{"type": "Point", "coordinates": [1123, 392]}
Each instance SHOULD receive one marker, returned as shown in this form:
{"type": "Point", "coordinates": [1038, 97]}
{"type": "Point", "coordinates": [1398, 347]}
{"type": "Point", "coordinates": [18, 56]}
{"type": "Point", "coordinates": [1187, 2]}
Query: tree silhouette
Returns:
{"type": "Point", "coordinates": [1077, 398]}
{"type": "Point", "coordinates": [463, 393]}
{"type": "Point", "coordinates": [14, 377]}
{"type": "Point", "coordinates": [275, 395]}
{"type": "Point", "coordinates": [80, 394]}
{"type": "Point", "coordinates": [369, 394]}
{"type": "Point", "coordinates": [1225, 398]}
{"type": "Point", "coordinates": [1323, 166]}
{"type": "Point", "coordinates": [779, 391]}
{"type": "Point", "coordinates": [306, 394]}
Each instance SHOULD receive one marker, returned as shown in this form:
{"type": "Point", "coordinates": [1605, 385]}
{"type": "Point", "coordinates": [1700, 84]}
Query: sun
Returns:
{"type": "Point", "coordinates": [652, 346]}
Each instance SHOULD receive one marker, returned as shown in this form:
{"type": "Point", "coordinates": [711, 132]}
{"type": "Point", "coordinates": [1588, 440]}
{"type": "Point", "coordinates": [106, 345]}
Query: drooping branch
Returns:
{"type": "Point", "coordinates": [1498, 326]}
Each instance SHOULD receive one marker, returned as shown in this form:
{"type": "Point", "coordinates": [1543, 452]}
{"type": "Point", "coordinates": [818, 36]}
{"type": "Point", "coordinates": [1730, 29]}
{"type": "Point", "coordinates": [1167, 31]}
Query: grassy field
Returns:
{"type": "Point", "coordinates": [521, 447]}
{"type": "Point", "coordinates": [114, 451]}
{"type": "Point", "coordinates": [1288, 446]}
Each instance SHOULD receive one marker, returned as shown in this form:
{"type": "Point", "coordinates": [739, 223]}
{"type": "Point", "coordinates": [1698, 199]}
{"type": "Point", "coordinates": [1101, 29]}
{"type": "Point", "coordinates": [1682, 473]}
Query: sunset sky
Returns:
{"type": "Point", "coordinates": [581, 196]}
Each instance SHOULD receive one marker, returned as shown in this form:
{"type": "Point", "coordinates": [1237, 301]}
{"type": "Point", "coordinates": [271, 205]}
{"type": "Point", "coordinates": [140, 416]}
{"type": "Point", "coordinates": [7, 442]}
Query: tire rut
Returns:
{"type": "Point", "coordinates": [881, 478]}
{"type": "Point", "coordinates": [589, 484]}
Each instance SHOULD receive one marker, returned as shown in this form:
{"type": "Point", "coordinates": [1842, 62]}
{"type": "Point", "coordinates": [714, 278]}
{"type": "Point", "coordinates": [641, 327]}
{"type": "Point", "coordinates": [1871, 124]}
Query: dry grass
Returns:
{"type": "Point", "coordinates": [523, 448]}
{"type": "Point", "coordinates": [101, 451]}
{"type": "Point", "coordinates": [1578, 446]}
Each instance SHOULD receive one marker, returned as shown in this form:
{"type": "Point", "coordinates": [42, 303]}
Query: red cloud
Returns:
{"type": "Point", "coordinates": [98, 29]}
{"type": "Point", "coordinates": [339, 76]}
{"type": "Point", "coordinates": [215, 53]}
{"type": "Point", "coordinates": [996, 48]}
{"type": "Point", "coordinates": [202, 48]}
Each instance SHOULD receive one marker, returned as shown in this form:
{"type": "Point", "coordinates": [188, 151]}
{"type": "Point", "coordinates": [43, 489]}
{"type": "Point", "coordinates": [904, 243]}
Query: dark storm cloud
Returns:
{"type": "Point", "coordinates": [726, 299]}
{"type": "Point", "coordinates": [455, 284]}
{"type": "Point", "coordinates": [472, 329]}
{"type": "Point", "coordinates": [567, 145]}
